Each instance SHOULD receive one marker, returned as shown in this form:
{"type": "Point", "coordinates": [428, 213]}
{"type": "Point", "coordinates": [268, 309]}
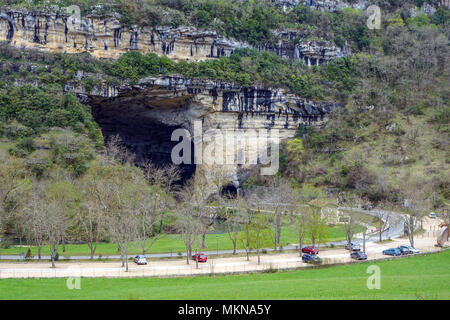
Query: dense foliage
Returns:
{"type": "Point", "coordinates": [393, 136]}
{"type": "Point", "coordinates": [246, 67]}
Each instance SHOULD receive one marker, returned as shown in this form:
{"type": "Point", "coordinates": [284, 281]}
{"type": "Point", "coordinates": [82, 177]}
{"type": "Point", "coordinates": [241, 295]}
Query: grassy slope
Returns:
{"type": "Point", "coordinates": [168, 242]}
{"type": "Point", "coordinates": [425, 277]}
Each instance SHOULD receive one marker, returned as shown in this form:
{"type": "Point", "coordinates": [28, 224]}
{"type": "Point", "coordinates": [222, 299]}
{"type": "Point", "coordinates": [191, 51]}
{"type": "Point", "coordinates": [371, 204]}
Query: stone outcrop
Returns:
{"type": "Point", "coordinates": [326, 5]}
{"type": "Point", "coordinates": [106, 37]}
{"type": "Point", "coordinates": [145, 116]}
{"type": "Point", "coordinates": [311, 52]}
{"type": "Point", "coordinates": [336, 5]}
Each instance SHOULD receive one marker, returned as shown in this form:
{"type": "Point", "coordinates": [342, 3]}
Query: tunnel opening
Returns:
{"type": "Point", "coordinates": [145, 137]}
{"type": "Point", "coordinates": [229, 191]}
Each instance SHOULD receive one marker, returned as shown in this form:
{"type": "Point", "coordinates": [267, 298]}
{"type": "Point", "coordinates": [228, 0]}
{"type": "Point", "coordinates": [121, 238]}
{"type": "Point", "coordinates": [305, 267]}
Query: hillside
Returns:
{"type": "Point", "coordinates": [361, 112]}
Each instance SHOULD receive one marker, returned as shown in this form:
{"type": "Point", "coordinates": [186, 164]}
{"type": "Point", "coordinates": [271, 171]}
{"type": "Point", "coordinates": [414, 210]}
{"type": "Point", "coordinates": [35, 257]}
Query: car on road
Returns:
{"type": "Point", "coordinates": [392, 252]}
{"type": "Point", "coordinates": [200, 257]}
{"type": "Point", "coordinates": [358, 255]}
{"type": "Point", "coordinates": [408, 249]}
{"type": "Point", "coordinates": [311, 258]}
{"type": "Point", "coordinates": [140, 259]}
{"type": "Point", "coordinates": [310, 250]}
{"type": "Point", "coordinates": [432, 215]}
{"type": "Point", "coordinates": [354, 247]}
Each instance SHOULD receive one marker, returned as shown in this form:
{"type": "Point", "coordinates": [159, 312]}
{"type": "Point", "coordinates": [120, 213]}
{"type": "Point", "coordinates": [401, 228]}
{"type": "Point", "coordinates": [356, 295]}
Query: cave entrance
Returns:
{"type": "Point", "coordinates": [147, 138]}
{"type": "Point", "coordinates": [229, 191]}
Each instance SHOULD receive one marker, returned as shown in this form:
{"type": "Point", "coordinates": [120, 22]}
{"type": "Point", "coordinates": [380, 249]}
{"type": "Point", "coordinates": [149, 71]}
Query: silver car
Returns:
{"type": "Point", "coordinates": [140, 259]}
{"type": "Point", "coordinates": [408, 249]}
{"type": "Point", "coordinates": [355, 247]}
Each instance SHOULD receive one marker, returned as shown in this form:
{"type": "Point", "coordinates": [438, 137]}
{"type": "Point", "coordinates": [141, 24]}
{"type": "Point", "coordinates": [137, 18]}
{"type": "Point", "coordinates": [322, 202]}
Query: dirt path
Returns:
{"type": "Point", "coordinates": [178, 267]}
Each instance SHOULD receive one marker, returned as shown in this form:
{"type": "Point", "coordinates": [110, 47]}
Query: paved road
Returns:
{"type": "Point", "coordinates": [395, 229]}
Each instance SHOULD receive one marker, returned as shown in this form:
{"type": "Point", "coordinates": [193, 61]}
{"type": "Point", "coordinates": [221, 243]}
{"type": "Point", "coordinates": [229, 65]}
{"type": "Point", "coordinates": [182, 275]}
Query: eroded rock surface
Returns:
{"type": "Point", "coordinates": [146, 115]}
{"type": "Point", "coordinates": [106, 37]}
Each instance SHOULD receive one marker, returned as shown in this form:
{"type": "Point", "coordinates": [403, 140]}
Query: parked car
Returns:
{"type": "Point", "coordinates": [358, 255]}
{"type": "Point", "coordinates": [311, 258]}
{"type": "Point", "coordinates": [200, 257]}
{"type": "Point", "coordinates": [392, 252]}
{"type": "Point", "coordinates": [140, 259]}
{"type": "Point", "coordinates": [409, 249]}
{"type": "Point", "coordinates": [310, 250]}
{"type": "Point", "coordinates": [403, 251]}
{"type": "Point", "coordinates": [432, 215]}
{"type": "Point", "coordinates": [355, 247]}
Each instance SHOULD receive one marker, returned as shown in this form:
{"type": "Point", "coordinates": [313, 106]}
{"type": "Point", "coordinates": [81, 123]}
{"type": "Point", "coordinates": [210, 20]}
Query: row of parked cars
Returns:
{"type": "Point", "coordinates": [311, 254]}
{"type": "Point", "coordinates": [141, 260]}
{"type": "Point", "coordinates": [355, 251]}
{"type": "Point", "coordinates": [400, 251]}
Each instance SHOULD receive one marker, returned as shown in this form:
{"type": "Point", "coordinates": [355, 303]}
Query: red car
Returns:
{"type": "Point", "coordinates": [201, 257]}
{"type": "Point", "coordinates": [311, 250]}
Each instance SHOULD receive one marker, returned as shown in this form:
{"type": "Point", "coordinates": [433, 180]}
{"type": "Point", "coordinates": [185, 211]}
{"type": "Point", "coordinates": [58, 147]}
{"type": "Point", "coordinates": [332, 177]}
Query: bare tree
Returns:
{"type": "Point", "coordinates": [415, 206]}
{"type": "Point", "coordinates": [34, 220]}
{"type": "Point", "coordinates": [197, 192]}
{"type": "Point", "coordinates": [350, 222]}
{"type": "Point", "coordinates": [233, 212]}
{"type": "Point", "coordinates": [260, 234]}
{"type": "Point", "coordinates": [245, 237]}
{"type": "Point", "coordinates": [188, 227]}
{"type": "Point", "coordinates": [151, 204]}
{"type": "Point", "coordinates": [117, 191]}
{"type": "Point", "coordinates": [317, 222]}
{"type": "Point", "coordinates": [54, 224]}
{"type": "Point", "coordinates": [91, 225]}
{"type": "Point", "coordinates": [117, 151]}
{"type": "Point", "coordinates": [14, 187]}
{"type": "Point", "coordinates": [299, 220]}
{"type": "Point", "coordinates": [383, 219]}
{"type": "Point", "coordinates": [277, 198]}
{"type": "Point", "coordinates": [123, 227]}
{"type": "Point", "coordinates": [66, 199]}
{"type": "Point", "coordinates": [163, 176]}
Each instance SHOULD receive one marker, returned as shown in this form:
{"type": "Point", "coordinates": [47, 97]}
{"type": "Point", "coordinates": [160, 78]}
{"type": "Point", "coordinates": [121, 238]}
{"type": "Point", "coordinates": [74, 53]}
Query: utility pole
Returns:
{"type": "Point", "coordinates": [364, 241]}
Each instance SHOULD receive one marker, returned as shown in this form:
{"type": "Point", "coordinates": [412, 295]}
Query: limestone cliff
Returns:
{"type": "Point", "coordinates": [145, 116]}
{"type": "Point", "coordinates": [106, 37]}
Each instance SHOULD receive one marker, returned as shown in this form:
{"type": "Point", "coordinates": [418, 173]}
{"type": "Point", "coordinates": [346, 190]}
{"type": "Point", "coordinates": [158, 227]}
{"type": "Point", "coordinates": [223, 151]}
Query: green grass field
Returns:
{"type": "Point", "coordinates": [422, 277]}
{"type": "Point", "coordinates": [168, 243]}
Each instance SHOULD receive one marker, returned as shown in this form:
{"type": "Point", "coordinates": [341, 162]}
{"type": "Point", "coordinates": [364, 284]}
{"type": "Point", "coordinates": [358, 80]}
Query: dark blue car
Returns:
{"type": "Point", "coordinates": [358, 255]}
{"type": "Point", "coordinates": [311, 258]}
{"type": "Point", "coordinates": [392, 252]}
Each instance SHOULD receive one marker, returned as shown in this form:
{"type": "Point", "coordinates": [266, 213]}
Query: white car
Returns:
{"type": "Point", "coordinates": [432, 215]}
{"type": "Point", "coordinates": [409, 249]}
{"type": "Point", "coordinates": [140, 259]}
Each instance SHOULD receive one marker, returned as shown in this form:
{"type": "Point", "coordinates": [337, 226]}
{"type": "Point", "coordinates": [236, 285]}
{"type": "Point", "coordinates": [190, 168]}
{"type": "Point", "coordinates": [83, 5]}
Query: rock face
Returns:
{"type": "Point", "coordinates": [311, 52]}
{"type": "Point", "coordinates": [105, 37]}
{"type": "Point", "coordinates": [327, 5]}
{"type": "Point", "coordinates": [146, 115]}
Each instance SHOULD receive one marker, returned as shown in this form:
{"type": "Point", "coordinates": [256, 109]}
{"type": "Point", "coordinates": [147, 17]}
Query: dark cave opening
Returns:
{"type": "Point", "coordinates": [145, 137]}
{"type": "Point", "coordinates": [229, 191]}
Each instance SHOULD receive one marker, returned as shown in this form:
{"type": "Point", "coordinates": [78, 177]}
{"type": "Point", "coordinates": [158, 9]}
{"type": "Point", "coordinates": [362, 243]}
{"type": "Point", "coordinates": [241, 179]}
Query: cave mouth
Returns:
{"type": "Point", "coordinates": [147, 138]}
{"type": "Point", "coordinates": [229, 191]}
